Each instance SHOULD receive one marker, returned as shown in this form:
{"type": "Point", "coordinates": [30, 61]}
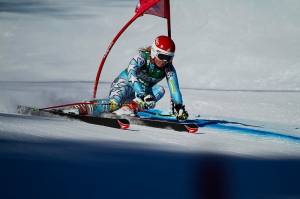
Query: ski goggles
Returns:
{"type": "Point", "coordinates": [164, 57]}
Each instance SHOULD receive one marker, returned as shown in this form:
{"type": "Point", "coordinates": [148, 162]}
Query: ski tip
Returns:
{"type": "Point", "coordinates": [124, 124]}
{"type": "Point", "coordinates": [191, 129]}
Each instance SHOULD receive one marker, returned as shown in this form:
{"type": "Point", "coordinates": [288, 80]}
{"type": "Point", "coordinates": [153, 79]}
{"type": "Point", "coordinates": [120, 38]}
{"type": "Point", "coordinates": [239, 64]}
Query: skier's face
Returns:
{"type": "Point", "coordinates": [160, 63]}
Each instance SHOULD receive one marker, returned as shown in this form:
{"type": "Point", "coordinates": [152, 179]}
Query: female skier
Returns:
{"type": "Point", "coordinates": [136, 87]}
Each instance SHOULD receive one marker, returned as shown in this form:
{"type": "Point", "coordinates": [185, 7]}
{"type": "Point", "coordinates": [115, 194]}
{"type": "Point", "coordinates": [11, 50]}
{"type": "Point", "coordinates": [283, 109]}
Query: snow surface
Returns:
{"type": "Point", "coordinates": [236, 60]}
{"type": "Point", "coordinates": [227, 44]}
{"type": "Point", "coordinates": [253, 108]}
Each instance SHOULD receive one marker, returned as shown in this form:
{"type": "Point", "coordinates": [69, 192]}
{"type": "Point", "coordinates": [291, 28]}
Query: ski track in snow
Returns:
{"type": "Point", "coordinates": [222, 138]}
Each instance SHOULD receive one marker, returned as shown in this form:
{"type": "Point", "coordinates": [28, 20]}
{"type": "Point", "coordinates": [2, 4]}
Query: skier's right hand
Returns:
{"type": "Point", "coordinates": [145, 102]}
{"type": "Point", "coordinates": [149, 101]}
{"type": "Point", "coordinates": [140, 103]}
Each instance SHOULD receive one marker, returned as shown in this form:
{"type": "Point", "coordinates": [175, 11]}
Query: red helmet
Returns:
{"type": "Point", "coordinates": [163, 47]}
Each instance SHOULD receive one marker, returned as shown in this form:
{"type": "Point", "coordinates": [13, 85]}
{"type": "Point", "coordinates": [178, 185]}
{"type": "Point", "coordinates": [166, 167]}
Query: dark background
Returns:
{"type": "Point", "coordinates": [57, 169]}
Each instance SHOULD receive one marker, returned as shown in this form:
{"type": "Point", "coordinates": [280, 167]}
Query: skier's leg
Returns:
{"type": "Point", "coordinates": [93, 107]}
{"type": "Point", "coordinates": [103, 106]}
{"type": "Point", "coordinates": [153, 95]}
{"type": "Point", "coordinates": [120, 93]}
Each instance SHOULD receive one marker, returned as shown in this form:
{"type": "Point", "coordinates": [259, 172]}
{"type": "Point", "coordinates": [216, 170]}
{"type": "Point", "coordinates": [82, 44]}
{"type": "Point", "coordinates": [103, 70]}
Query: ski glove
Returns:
{"type": "Point", "coordinates": [149, 101]}
{"type": "Point", "coordinates": [145, 102]}
{"type": "Point", "coordinates": [180, 112]}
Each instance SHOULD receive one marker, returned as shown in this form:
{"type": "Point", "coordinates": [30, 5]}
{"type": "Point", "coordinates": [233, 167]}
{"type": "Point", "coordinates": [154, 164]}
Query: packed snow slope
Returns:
{"type": "Point", "coordinates": [237, 61]}
{"type": "Point", "coordinates": [250, 112]}
{"type": "Point", "coordinates": [43, 157]}
{"type": "Point", "coordinates": [220, 44]}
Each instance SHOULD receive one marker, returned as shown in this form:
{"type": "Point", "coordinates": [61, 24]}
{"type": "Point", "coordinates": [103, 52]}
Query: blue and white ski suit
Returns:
{"type": "Point", "coordinates": [140, 78]}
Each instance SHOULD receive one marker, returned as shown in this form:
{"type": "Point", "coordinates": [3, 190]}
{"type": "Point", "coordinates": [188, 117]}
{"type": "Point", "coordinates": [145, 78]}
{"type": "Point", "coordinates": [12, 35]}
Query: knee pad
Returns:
{"type": "Point", "coordinates": [158, 92]}
{"type": "Point", "coordinates": [113, 105]}
{"type": "Point", "coordinates": [105, 106]}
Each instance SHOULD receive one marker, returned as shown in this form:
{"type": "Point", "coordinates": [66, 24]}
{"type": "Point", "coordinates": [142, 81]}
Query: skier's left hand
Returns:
{"type": "Point", "coordinates": [180, 112]}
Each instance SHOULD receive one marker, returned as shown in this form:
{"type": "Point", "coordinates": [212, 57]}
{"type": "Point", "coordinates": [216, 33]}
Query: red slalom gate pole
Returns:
{"type": "Point", "coordinates": [108, 50]}
{"type": "Point", "coordinates": [65, 105]}
{"type": "Point", "coordinates": [139, 12]}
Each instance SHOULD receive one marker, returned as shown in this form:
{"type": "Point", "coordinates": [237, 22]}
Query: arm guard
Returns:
{"type": "Point", "coordinates": [173, 85]}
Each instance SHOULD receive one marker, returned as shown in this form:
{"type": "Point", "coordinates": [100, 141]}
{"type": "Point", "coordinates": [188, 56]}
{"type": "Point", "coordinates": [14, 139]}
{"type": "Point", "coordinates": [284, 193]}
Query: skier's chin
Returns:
{"type": "Point", "coordinates": [160, 64]}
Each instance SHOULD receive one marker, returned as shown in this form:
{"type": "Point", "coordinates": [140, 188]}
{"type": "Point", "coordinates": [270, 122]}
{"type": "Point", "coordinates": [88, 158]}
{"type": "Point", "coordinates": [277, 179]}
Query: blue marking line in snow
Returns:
{"type": "Point", "coordinates": [225, 126]}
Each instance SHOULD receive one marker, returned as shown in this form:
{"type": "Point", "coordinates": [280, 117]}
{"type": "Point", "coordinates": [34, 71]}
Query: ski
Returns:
{"type": "Point", "coordinates": [157, 123]}
{"type": "Point", "coordinates": [150, 119]}
{"type": "Point", "coordinates": [119, 123]}
{"type": "Point", "coordinates": [113, 122]}
{"type": "Point", "coordinates": [160, 119]}
{"type": "Point", "coordinates": [154, 118]}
